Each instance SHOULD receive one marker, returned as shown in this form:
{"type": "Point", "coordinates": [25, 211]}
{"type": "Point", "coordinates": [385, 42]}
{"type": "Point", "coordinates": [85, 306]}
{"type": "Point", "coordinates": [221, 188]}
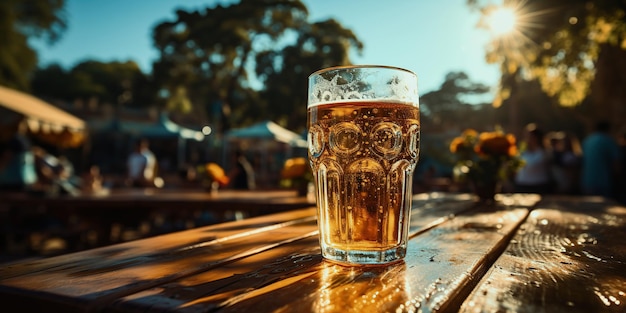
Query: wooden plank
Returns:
{"type": "Point", "coordinates": [568, 257]}
{"type": "Point", "coordinates": [432, 209]}
{"type": "Point", "coordinates": [92, 279]}
{"type": "Point", "coordinates": [101, 278]}
{"type": "Point", "coordinates": [441, 263]}
{"type": "Point", "coordinates": [99, 213]}
{"type": "Point", "coordinates": [159, 245]}
{"type": "Point", "coordinates": [429, 210]}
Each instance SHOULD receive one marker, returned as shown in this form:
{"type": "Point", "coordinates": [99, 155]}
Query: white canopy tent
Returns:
{"type": "Point", "coordinates": [267, 130]}
{"type": "Point", "coordinates": [271, 143]}
{"type": "Point", "coordinates": [163, 128]}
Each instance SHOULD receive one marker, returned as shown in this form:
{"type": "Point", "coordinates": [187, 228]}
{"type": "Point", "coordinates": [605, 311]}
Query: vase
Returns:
{"type": "Point", "coordinates": [486, 190]}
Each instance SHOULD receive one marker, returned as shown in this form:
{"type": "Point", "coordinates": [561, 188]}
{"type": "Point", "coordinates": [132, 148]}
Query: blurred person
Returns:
{"type": "Point", "coordinates": [141, 165]}
{"type": "Point", "coordinates": [17, 163]}
{"type": "Point", "coordinates": [92, 180]}
{"type": "Point", "coordinates": [566, 158]}
{"type": "Point", "coordinates": [534, 176]}
{"type": "Point", "coordinates": [242, 174]}
{"type": "Point", "coordinates": [600, 162]}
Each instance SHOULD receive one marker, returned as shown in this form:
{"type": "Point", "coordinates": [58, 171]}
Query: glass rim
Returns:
{"type": "Point", "coordinates": [356, 66]}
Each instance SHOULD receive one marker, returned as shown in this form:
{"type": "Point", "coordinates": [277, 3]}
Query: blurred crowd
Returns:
{"type": "Point", "coordinates": [25, 167]}
{"type": "Point", "coordinates": [554, 162]}
{"type": "Point", "coordinates": [558, 162]}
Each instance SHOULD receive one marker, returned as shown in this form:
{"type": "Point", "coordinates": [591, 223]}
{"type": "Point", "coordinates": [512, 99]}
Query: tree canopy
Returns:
{"type": "Point", "coordinates": [285, 72]}
{"type": "Point", "coordinates": [448, 107]}
{"type": "Point", "coordinates": [111, 83]}
{"type": "Point", "coordinates": [228, 65]}
{"type": "Point", "coordinates": [575, 49]}
{"type": "Point", "coordinates": [19, 21]}
{"type": "Point", "coordinates": [226, 56]}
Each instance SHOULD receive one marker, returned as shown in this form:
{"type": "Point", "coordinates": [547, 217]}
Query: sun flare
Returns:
{"type": "Point", "coordinates": [502, 21]}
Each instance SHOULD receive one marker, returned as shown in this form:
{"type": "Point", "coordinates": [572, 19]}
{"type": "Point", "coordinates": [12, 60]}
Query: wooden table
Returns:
{"type": "Point", "coordinates": [525, 254]}
{"type": "Point", "coordinates": [254, 201]}
{"type": "Point", "coordinates": [99, 213]}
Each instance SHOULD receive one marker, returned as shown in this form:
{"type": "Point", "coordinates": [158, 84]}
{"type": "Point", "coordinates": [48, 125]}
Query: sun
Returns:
{"type": "Point", "coordinates": [502, 21]}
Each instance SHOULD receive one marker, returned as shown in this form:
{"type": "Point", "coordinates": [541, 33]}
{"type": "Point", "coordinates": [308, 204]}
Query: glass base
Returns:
{"type": "Point", "coordinates": [361, 257]}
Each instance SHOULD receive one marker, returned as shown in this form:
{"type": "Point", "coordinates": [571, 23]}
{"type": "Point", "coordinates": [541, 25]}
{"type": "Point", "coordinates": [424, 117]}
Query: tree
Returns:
{"type": "Point", "coordinates": [210, 51]}
{"type": "Point", "coordinates": [448, 107]}
{"type": "Point", "coordinates": [285, 72]}
{"type": "Point", "coordinates": [52, 82]}
{"type": "Point", "coordinates": [535, 106]}
{"type": "Point", "coordinates": [118, 83]}
{"type": "Point", "coordinates": [575, 49]}
{"type": "Point", "coordinates": [114, 83]}
{"type": "Point", "coordinates": [19, 21]}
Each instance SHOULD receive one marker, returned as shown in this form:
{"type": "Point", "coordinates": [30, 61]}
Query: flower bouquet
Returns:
{"type": "Point", "coordinates": [485, 160]}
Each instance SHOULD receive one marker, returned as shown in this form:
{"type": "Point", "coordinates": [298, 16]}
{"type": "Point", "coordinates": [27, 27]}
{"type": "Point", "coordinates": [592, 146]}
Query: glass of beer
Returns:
{"type": "Point", "coordinates": [363, 145]}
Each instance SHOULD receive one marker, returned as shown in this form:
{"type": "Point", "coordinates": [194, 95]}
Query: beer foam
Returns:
{"type": "Point", "coordinates": [400, 87]}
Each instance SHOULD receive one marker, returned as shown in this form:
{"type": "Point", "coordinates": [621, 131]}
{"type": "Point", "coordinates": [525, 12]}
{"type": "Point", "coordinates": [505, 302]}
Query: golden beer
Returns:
{"type": "Point", "coordinates": [363, 148]}
{"type": "Point", "coordinates": [363, 140]}
{"type": "Point", "coordinates": [363, 155]}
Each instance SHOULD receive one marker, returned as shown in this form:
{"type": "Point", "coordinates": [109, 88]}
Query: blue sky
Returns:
{"type": "Point", "coordinates": [429, 37]}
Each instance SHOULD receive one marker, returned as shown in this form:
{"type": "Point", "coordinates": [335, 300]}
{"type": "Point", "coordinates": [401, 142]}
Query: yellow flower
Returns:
{"type": "Point", "coordinates": [468, 133]}
{"type": "Point", "coordinates": [465, 142]}
{"type": "Point", "coordinates": [294, 168]}
{"type": "Point", "coordinates": [496, 144]}
{"type": "Point", "coordinates": [217, 173]}
{"type": "Point", "coordinates": [457, 144]}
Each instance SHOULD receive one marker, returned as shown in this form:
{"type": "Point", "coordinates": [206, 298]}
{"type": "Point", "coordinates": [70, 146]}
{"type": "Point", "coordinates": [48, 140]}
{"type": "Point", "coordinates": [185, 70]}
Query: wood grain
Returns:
{"type": "Point", "coordinates": [165, 244]}
{"type": "Point", "coordinates": [568, 257]}
{"type": "Point", "coordinates": [442, 260]}
{"type": "Point", "coordinates": [272, 263]}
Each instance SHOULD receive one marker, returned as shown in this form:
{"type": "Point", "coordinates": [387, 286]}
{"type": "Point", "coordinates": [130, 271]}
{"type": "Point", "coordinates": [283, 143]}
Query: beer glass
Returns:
{"type": "Point", "coordinates": [363, 145]}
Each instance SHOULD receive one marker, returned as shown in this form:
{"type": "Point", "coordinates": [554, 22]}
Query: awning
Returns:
{"type": "Point", "coordinates": [43, 119]}
{"type": "Point", "coordinates": [163, 128]}
{"type": "Point", "coordinates": [267, 130]}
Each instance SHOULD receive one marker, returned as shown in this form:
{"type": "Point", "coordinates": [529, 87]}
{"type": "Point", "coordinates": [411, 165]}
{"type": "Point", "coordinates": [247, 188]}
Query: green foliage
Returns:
{"type": "Point", "coordinates": [220, 54]}
{"type": "Point", "coordinates": [448, 107]}
{"type": "Point", "coordinates": [561, 44]}
{"type": "Point", "coordinates": [19, 21]}
{"type": "Point", "coordinates": [285, 72]}
{"type": "Point", "coordinates": [209, 51]}
{"type": "Point", "coordinates": [115, 83]}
